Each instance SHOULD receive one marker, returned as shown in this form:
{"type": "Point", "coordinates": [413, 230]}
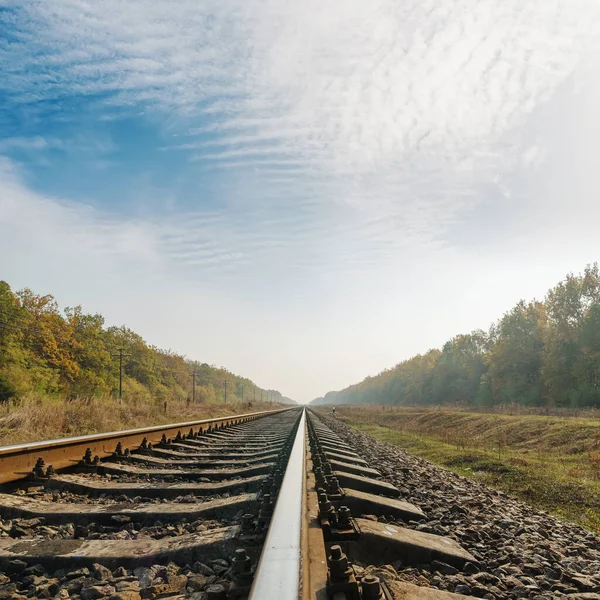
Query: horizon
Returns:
{"type": "Point", "coordinates": [307, 195]}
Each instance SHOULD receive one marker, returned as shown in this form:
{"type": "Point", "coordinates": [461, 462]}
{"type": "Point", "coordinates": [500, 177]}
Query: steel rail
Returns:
{"type": "Point", "coordinates": [18, 461]}
{"type": "Point", "coordinates": [279, 569]}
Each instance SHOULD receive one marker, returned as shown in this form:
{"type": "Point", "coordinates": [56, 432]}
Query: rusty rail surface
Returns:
{"type": "Point", "coordinates": [19, 460]}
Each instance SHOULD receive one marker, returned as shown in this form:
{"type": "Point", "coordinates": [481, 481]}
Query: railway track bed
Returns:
{"type": "Point", "coordinates": [520, 552]}
{"type": "Point", "coordinates": [179, 515]}
{"type": "Point", "coordinates": [285, 505]}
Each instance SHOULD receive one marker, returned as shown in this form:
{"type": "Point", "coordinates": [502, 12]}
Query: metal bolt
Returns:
{"type": "Point", "coordinates": [371, 588]}
{"type": "Point", "coordinates": [332, 515]}
{"type": "Point", "coordinates": [338, 564]}
{"type": "Point", "coordinates": [38, 470]}
{"type": "Point", "coordinates": [87, 456]}
{"type": "Point", "coordinates": [241, 562]}
{"type": "Point", "coordinates": [247, 522]}
{"type": "Point", "coordinates": [324, 505]}
{"type": "Point", "coordinates": [333, 485]}
{"type": "Point", "coordinates": [344, 515]}
{"type": "Point", "coordinates": [50, 471]}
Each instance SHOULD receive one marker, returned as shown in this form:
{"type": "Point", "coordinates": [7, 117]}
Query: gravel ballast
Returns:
{"type": "Point", "coordinates": [521, 552]}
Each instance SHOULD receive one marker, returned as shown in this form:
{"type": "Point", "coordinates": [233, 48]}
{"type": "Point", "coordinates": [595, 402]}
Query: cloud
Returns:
{"type": "Point", "coordinates": [362, 87]}
{"type": "Point", "coordinates": [336, 148]}
{"type": "Point", "coordinates": [374, 106]}
{"type": "Point", "coordinates": [27, 215]}
{"type": "Point", "coordinates": [27, 144]}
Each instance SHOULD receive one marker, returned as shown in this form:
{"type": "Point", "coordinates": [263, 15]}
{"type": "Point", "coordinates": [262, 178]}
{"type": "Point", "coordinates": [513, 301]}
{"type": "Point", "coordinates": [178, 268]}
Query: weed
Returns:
{"type": "Point", "coordinates": [41, 418]}
{"type": "Point", "coordinates": [532, 457]}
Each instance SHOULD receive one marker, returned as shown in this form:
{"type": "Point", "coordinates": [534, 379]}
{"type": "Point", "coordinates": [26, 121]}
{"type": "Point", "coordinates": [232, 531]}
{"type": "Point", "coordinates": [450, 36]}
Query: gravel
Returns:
{"type": "Point", "coordinates": [99, 583]}
{"type": "Point", "coordinates": [521, 552]}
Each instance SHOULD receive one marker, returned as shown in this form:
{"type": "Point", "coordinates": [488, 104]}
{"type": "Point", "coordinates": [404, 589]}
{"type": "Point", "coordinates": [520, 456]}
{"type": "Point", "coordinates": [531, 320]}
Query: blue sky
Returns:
{"type": "Point", "coordinates": [304, 193]}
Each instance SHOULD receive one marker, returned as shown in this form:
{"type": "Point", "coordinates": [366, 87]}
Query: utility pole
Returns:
{"type": "Point", "coordinates": [120, 355]}
{"type": "Point", "coordinates": [225, 391]}
{"type": "Point", "coordinates": [242, 392]}
{"type": "Point", "coordinates": [194, 386]}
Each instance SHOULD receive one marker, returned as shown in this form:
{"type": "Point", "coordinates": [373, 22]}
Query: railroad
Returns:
{"type": "Point", "coordinates": [284, 504]}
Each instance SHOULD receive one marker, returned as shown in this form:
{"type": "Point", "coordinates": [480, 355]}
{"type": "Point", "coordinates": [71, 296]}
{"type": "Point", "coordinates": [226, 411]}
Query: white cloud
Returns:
{"type": "Point", "coordinates": [30, 144]}
{"type": "Point", "coordinates": [355, 144]}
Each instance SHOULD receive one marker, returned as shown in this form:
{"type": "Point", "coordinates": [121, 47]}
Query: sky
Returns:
{"type": "Point", "coordinates": [304, 192]}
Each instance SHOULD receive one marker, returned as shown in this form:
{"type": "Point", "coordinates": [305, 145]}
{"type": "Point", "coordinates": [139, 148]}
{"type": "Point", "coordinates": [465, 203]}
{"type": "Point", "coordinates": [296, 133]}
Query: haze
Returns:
{"type": "Point", "coordinates": [305, 193]}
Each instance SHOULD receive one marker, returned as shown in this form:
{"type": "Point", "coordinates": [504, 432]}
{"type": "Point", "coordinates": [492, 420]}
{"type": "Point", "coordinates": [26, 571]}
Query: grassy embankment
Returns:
{"type": "Point", "coordinates": [549, 462]}
{"type": "Point", "coordinates": [42, 418]}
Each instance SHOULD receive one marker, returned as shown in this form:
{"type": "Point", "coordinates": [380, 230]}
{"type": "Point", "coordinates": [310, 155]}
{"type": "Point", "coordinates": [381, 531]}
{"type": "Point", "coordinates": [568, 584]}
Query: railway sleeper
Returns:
{"type": "Point", "coordinates": [24, 507]}
{"type": "Point", "coordinates": [95, 487]}
{"type": "Point", "coordinates": [347, 458]}
{"type": "Point", "coordinates": [377, 542]}
{"type": "Point", "coordinates": [158, 461]}
{"type": "Point", "coordinates": [175, 454]}
{"type": "Point", "coordinates": [252, 439]}
{"type": "Point", "coordinates": [363, 503]}
{"type": "Point", "coordinates": [342, 452]}
{"type": "Point", "coordinates": [243, 445]}
{"type": "Point", "coordinates": [180, 447]}
{"type": "Point", "coordinates": [366, 484]}
{"type": "Point", "coordinates": [69, 553]}
{"type": "Point", "coordinates": [362, 470]}
{"type": "Point", "coordinates": [211, 474]}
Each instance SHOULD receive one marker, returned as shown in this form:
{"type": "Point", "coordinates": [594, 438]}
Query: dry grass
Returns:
{"type": "Point", "coordinates": [518, 433]}
{"type": "Point", "coordinates": [40, 418]}
{"type": "Point", "coordinates": [548, 461]}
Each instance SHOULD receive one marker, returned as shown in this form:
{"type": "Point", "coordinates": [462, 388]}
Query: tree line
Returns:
{"type": "Point", "coordinates": [70, 353]}
{"type": "Point", "coordinates": [540, 353]}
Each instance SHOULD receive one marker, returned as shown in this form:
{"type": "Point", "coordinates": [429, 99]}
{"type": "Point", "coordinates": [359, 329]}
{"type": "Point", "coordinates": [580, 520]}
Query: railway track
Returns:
{"type": "Point", "coordinates": [259, 506]}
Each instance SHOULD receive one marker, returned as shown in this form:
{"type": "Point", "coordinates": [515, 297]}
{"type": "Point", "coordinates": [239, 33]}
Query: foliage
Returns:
{"type": "Point", "coordinates": [539, 353]}
{"type": "Point", "coordinates": [71, 353]}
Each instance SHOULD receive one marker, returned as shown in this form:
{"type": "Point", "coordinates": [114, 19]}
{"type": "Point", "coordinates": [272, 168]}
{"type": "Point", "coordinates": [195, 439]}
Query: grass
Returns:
{"type": "Point", "coordinates": [550, 462]}
{"type": "Point", "coordinates": [41, 418]}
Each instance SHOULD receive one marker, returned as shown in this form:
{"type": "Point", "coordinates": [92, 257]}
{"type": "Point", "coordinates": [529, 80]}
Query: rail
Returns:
{"type": "Point", "coordinates": [279, 569]}
{"type": "Point", "coordinates": [19, 460]}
